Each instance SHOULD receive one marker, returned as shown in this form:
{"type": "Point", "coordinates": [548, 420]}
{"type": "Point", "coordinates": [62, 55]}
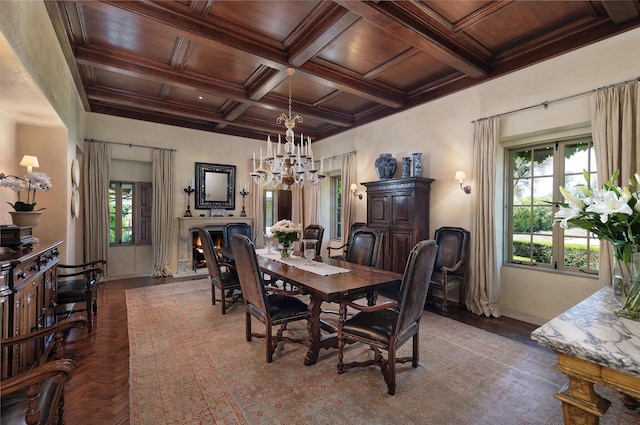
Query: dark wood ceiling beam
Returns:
{"type": "Point", "coordinates": [321, 27]}
{"type": "Point", "coordinates": [622, 11]}
{"type": "Point", "coordinates": [263, 81]}
{"type": "Point", "coordinates": [235, 111]}
{"type": "Point", "coordinates": [205, 32]}
{"type": "Point", "coordinates": [120, 62]}
{"type": "Point", "coordinates": [479, 15]}
{"type": "Point", "coordinates": [391, 63]}
{"type": "Point", "coordinates": [118, 98]}
{"type": "Point", "coordinates": [418, 35]}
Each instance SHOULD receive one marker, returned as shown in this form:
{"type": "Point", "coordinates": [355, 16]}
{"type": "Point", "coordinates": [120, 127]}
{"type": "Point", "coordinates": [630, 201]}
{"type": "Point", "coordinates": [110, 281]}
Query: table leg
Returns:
{"type": "Point", "coordinates": [580, 402]}
{"type": "Point", "coordinates": [313, 326]}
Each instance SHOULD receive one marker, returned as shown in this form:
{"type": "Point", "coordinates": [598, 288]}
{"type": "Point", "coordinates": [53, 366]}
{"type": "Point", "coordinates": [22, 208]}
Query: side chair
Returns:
{"type": "Point", "coordinates": [231, 229]}
{"type": "Point", "coordinates": [450, 269]}
{"type": "Point", "coordinates": [364, 249]}
{"type": "Point", "coordinates": [270, 305]}
{"type": "Point", "coordinates": [387, 326]}
{"type": "Point", "coordinates": [314, 231]}
{"type": "Point", "coordinates": [345, 247]}
{"type": "Point", "coordinates": [226, 280]}
{"type": "Point", "coordinates": [78, 289]}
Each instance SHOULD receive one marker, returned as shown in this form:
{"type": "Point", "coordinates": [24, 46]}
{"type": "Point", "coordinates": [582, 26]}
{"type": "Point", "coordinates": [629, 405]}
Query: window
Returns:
{"type": "Point", "coordinates": [121, 213]}
{"type": "Point", "coordinates": [336, 207]}
{"type": "Point", "coordinates": [270, 208]}
{"type": "Point", "coordinates": [535, 174]}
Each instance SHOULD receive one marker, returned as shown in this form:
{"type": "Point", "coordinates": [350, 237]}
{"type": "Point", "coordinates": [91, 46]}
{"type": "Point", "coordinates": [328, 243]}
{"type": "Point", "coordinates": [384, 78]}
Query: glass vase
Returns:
{"type": "Point", "coordinates": [285, 250]}
{"type": "Point", "coordinates": [626, 283]}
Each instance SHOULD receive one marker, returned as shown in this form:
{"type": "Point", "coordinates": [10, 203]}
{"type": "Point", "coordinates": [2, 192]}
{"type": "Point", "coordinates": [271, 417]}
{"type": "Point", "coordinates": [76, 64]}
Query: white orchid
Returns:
{"type": "Point", "coordinates": [31, 183]}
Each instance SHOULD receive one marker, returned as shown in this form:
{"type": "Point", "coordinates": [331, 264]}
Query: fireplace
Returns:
{"type": "Point", "coordinates": [217, 237]}
{"type": "Point", "coordinates": [189, 225]}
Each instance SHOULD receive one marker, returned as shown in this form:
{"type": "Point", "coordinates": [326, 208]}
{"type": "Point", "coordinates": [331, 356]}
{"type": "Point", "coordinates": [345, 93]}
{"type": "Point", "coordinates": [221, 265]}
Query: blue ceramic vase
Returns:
{"type": "Point", "coordinates": [386, 166]}
{"type": "Point", "coordinates": [406, 167]}
{"type": "Point", "coordinates": [417, 164]}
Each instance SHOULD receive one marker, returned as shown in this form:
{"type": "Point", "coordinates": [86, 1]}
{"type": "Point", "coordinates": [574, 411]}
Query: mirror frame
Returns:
{"type": "Point", "coordinates": [229, 171]}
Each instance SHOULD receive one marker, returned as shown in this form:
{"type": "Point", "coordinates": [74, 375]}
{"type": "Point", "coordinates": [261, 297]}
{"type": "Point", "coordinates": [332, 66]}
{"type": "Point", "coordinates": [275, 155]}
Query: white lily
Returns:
{"type": "Point", "coordinates": [567, 213]}
{"type": "Point", "coordinates": [607, 202]}
{"type": "Point", "coordinates": [573, 200]}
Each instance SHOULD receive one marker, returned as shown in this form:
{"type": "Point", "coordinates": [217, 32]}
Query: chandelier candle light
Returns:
{"type": "Point", "coordinates": [295, 165]}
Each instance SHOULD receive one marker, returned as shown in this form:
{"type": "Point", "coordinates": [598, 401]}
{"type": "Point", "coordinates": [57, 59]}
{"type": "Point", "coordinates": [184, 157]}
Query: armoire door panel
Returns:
{"type": "Point", "coordinates": [401, 244]}
{"type": "Point", "coordinates": [402, 210]}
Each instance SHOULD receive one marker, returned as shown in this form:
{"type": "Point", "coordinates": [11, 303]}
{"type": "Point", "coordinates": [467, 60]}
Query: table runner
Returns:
{"type": "Point", "coordinates": [318, 268]}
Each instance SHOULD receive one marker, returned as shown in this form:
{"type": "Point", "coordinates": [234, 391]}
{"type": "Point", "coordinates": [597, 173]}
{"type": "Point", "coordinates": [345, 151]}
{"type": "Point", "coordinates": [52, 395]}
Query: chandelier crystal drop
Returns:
{"type": "Point", "coordinates": [296, 164]}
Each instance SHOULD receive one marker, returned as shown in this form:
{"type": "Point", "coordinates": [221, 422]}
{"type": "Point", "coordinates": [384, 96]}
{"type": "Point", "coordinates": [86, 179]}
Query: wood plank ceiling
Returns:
{"type": "Point", "coordinates": [220, 66]}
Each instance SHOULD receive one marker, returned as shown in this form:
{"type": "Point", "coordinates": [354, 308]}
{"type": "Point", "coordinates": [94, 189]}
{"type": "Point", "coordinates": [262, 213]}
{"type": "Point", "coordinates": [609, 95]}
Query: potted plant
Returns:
{"type": "Point", "coordinates": [24, 213]}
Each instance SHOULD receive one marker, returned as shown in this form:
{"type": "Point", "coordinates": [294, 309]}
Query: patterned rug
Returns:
{"type": "Point", "coordinates": [189, 364]}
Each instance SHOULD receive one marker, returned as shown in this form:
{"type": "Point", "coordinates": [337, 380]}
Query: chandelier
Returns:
{"type": "Point", "coordinates": [293, 166]}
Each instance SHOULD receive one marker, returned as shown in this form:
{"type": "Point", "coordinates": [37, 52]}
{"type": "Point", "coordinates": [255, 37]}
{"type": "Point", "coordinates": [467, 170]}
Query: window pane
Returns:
{"type": "Point", "coordinates": [112, 212]}
{"type": "Point", "coordinates": [542, 190]}
{"type": "Point", "coordinates": [543, 219]}
{"type": "Point", "coordinates": [521, 164]}
{"type": "Point", "coordinates": [542, 249]}
{"type": "Point", "coordinates": [543, 161]}
{"type": "Point", "coordinates": [522, 192]}
{"type": "Point", "coordinates": [521, 220]}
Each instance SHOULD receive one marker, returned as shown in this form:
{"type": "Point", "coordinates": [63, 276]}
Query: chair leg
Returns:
{"type": "Point", "coordinates": [415, 360]}
{"type": "Point", "coordinates": [89, 302]}
{"type": "Point", "coordinates": [223, 301]}
{"type": "Point", "coordinates": [213, 293]}
{"type": "Point", "coordinates": [342, 313]}
{"type": "Point", "coordinates": [271, 344]}
{"type": "Point", "coordinates": [390, 376]}
{"type": "Point", "coordinates": [462, 293]}
{"type": "Point", "coordinates": [443, 308]}
{"type": "Point", "coordinates": [248, 326]}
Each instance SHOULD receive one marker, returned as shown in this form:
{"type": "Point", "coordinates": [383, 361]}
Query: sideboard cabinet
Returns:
{"type": "Point", "coordinates": [399, 209]}
{"type": "Point", "coordinates": [28, 283]}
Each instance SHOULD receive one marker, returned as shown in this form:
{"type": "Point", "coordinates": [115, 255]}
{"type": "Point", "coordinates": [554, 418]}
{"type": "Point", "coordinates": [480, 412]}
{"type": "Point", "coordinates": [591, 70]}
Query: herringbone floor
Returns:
{"type": "Point", "coordinates": [98, 393]}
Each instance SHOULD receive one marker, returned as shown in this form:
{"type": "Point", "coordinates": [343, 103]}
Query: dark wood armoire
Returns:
{"type": "Point", "coordinates": [399, 209]}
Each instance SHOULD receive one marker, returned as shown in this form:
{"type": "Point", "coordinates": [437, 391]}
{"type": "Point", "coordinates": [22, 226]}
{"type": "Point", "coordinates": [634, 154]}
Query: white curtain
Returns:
{"type": "Point", "coordinates": [97, 159]}
{"type": "Point", "coordinates": [615, 120]}
{"type": "Point", "coordinates": [162, 211]}
{"type": "Point", "coordinates": [310, 207]}
{"type": "Point", "coordinates": [483, 294]}
{"type": "Point", "coordinates": [255, 209]}
{"type": "Point", "coordinates": [297, 205]}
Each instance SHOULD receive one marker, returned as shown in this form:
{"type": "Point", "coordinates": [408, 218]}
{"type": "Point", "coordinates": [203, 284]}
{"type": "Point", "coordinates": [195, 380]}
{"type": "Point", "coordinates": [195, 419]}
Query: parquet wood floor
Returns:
{"type": "Point", "coordinates": [98, 393]}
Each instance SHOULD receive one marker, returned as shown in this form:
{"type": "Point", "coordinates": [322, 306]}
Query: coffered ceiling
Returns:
{"type": "Point", "coordinates": [220, 65]}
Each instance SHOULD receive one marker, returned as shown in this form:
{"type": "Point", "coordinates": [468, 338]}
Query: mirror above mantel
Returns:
{"type": "Point", "coordinates": [215, 186]}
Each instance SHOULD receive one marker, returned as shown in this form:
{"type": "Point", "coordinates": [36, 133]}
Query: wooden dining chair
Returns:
{"type": "Point", "coordinates": [223, 274]}
{"type": "Point", "coordinates": [450, 269]}
{"type": "Point", "coordinates": [387, 326]}
{"type": "Point", "coordinates": [314, 231]}
{"type": "Point", "coordinates": [345, 247]}
{"type": "Point", "coordinates": [77, 289]}
{"type": "Point", "coordinates": [231, 229]}
{"type": "Point", "coordinates": [270, 305]}
{"type": "Point", "coordinates": [365, 250]}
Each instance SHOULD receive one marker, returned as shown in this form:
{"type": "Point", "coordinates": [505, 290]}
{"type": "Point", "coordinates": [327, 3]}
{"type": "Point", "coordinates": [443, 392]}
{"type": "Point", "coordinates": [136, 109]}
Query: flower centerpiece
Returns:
{"type": "Point", "coordinates": [286, 232]}
{"type": "Point", "coordinates": [612, 214]}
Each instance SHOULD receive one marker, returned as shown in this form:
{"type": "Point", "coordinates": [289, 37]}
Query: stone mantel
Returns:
{"type": "Point", "coordinates": [186, 226]}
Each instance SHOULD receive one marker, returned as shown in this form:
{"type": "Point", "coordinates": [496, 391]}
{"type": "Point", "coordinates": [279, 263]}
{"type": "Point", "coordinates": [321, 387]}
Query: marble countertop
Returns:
{"type": "Point", "coordinates": [592, 331]}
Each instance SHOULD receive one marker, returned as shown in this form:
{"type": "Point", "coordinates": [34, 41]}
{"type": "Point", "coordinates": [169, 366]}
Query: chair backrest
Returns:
{"type": "Point", "coordinates": [210, 255]}
{"type": "Point", "coordinates": [415, 284]}
{"type": "Point", "coordinates": [314, 231]}
{"type": "Point", "coordinates": [234, 229]}
{"type": "Point", "coordinates": [453, 246]}
{"type": "Point", "coordinates": [365, 247]}
{"type": "Point", "coordinates": [354, 226]}
{"type": "Point", "coordinates": [251, 280]}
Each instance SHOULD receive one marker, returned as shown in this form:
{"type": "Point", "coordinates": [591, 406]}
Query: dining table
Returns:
{"type": "Point", "coordinates": [325, 280]}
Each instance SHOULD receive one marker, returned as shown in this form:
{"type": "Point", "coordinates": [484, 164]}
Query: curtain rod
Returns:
{"type": "Point", "coordinates": [337, 156]}
{"type": "Point", "coordinates": [128, 144]}
{"type": "Point", "coordinates": [546, 104]}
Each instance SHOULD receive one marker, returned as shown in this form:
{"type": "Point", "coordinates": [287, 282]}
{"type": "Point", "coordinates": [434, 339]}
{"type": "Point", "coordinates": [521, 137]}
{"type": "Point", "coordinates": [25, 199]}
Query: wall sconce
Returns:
{"type": "Point", "coordinates": [354, 188]}
{"type": "Point", "coordinates": [460, 176]}
{"type": "Point", "coordinates": [29, 162]}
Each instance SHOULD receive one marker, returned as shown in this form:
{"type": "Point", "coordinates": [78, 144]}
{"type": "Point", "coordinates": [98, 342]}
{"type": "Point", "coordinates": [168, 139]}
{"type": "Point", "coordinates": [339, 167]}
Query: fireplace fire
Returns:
{"type": "Point", "coordinates": [217, 238]}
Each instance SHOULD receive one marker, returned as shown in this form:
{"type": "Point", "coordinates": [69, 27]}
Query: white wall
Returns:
{"type": "Point", "coordinates": [191, 146]}
{"type": "Point", "coordinates": [442, 130]}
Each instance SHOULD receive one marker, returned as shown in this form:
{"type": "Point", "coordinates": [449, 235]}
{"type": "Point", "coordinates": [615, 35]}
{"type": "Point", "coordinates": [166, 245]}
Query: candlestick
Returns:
{"type": "Point", "coordinates": [243, 193]}
{"type": "Point", "coordinates": [188, 190]}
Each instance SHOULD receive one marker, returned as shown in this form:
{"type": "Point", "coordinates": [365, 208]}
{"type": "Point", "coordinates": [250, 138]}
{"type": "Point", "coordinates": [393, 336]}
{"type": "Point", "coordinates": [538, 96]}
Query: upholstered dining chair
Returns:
{"type": "Point", "coordinates": [223, 274]}
{"type": "Point", "coordinates": [365, 250]}
{"type": "Point", "coordinates": [314, 231]}
{"type": "Point", "coordinates": [387, 326]}
{"type": "Point", "coordinates": [345, 247]}
{"type": "Point", "coordinates": [231, 229]}
{"type": "Point", "coordinates": [78, 289]}
{"type": "Point", "coordinates": [270, 305]}
{"type": "Point", "coordinates": [450, 269]}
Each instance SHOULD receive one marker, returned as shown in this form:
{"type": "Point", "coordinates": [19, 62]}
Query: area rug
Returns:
{"type": "Point", "coordinates": [189, 364]}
